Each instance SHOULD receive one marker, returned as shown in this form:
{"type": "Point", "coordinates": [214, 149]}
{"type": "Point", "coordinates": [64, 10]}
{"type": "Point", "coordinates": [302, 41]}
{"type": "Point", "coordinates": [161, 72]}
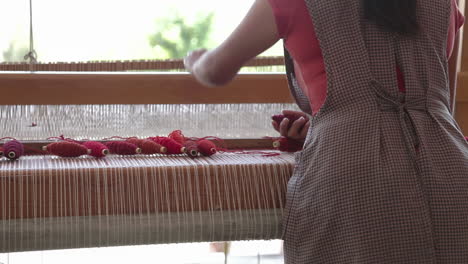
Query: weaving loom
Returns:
{"type": "Point", "coordinates": [48, 202]}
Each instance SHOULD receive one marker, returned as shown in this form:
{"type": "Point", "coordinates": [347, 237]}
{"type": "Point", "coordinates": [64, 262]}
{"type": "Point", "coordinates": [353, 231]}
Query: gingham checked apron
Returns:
{"type": "Point", "coordinates": [382, 178]}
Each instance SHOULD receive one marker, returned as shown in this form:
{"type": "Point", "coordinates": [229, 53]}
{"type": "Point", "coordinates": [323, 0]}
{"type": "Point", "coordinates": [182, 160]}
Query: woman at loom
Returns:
{"type": "Point", "coordinates": [383, 174]}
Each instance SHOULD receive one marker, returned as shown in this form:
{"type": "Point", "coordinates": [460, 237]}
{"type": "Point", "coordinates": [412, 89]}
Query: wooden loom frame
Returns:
{"type": "Point", "coordinates": [114, 87]}
{"type": "Point", "coordinates": [142, 88]}
{"type": "Point", "coordinates": [459, 74]}
{"type": "Point", "coordinates": [23, 187]}
{"type": "Point", "coordinates": [41, 88]}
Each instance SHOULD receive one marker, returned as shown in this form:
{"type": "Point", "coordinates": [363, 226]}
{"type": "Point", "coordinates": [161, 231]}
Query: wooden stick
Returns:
{"type": "Point", "coordinates": [177, 64]}
{"type": "Point", "coordinates": [137, 88]}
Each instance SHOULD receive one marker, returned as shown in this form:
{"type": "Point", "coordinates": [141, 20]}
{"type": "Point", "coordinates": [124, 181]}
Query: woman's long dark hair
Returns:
{"type": "Point", "coordinates": [398, 16]}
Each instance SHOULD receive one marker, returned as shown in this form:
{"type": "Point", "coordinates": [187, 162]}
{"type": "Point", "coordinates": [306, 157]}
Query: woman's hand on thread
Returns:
{"type": "Point", "coordinates": [297, 130]}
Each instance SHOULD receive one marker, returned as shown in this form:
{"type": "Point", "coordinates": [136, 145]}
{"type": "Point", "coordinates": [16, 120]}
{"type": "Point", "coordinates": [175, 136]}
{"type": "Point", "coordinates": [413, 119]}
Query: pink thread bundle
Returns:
{"type": "Point", "coordinates": [177, 136]}
{"type": "Point", "coordinates": [172, 146]}
{"type": "Point", "coordinates": [191, 148]}
{"type": "Point", "coordinates": [206, 147]}
{"type": "Point", "coordinates": [287, 145]}
{"type": "Point", "coordinates": [195, 146]}
{"type": "Point", "coordinates": [97, 149]}
{"type": "Point", "coordinates": [175, 143]}
{"type": "Point", "coordinates": [148, 146]}
{"type": "Point", "coordinates": [66, 149]}
{"type": "Point", "coordinates": [13, 149]}
{"type": "Point", "coordinates": [123, 148]}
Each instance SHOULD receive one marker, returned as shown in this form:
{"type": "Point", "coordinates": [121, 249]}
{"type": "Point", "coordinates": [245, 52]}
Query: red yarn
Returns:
{"type": "Point", "coordinates": [287, 144]}
{"type": "Point", "coordinates": [66, 149]}
{"type": "Point", "coordinates": [191, 148]}
{"type": "Point", "coordinates": [206, 147]}
{"type": "Point", "coordinates": [147, 146]}
{"type": "Point", "coordinates": [123, 148]}
{"type": "Point", "coordinates": [219, 143]}
{"type": "Point", "coordinates": [173, 147]}
{"type": "Point", "coordinates": [13, 149]}
{"type": "Point", "coordinates": [98, 149]}
{"type": "Point", "coordinates": [177, 136]}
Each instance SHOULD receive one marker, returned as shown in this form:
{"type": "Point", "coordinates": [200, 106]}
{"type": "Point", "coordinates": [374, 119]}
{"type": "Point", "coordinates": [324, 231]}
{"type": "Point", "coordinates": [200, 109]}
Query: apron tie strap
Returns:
{"type": "Point", "coordinates": [387, 103]}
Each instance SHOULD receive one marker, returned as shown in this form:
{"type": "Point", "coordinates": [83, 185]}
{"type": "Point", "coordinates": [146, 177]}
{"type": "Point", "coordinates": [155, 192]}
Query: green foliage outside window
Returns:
{"type": "Point", "coordinates": [176, 36]}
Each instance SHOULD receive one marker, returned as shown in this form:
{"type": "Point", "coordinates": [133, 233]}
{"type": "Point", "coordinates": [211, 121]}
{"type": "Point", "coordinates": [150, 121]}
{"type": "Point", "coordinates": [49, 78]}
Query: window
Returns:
{"type": "Point", "coordinates": [90, 30]}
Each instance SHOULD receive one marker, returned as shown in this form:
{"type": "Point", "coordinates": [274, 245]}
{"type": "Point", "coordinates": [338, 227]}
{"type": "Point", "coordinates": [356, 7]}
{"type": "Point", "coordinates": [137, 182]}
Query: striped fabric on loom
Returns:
{"type": "Point", "coordinates": [53, 203]}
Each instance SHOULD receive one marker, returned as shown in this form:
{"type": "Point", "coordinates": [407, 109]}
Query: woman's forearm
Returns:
{"type": "Point", "coordinates": [256, 33]}
{"type": "Point", "coordinates": [211, 71]}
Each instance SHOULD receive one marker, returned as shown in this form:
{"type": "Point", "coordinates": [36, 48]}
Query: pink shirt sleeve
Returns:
{"type": "Point", "coordinates": [283, 11]}
{"type": "Point", "coordinates": [456, 22]}
{"type": "Point", "coordinates": [460, 19]}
